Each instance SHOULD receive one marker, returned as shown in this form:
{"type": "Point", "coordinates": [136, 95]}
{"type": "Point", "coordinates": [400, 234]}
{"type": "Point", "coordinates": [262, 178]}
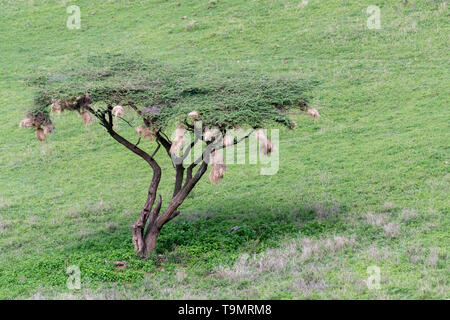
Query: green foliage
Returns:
{"type": "Point", "coordinates": [225, 100]}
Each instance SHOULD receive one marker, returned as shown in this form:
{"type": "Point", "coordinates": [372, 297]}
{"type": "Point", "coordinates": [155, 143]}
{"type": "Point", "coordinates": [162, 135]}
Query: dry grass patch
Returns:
{"type": "Point", "coordinates": [375, 220]}
{"type": "Point", "coordinates": [380, 254]}
{"type": "Point", "coordinates": [4, 225]}
{"type": "Point", "coordinates": [4, 203]}
{"type": "Point", "coordinates": [111, 226]}
{"type": "Point", "coordinates": [408, 215]}
{"type": "Point", "coordinates": [429, 257]}
{"type": "Point", "coordinates": [433, 258]}
{"type": "Point", "coordinates": [388, 206]}
{"type": "Point", "coordinates": [326, 211]}
{"type": "Point", "coordinates": [286, 259]}
{"type": "Point", "coordinates": [391, 230]}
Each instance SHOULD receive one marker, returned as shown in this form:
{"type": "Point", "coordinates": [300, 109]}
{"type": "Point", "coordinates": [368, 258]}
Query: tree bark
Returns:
{"type": "Point", "coordinates": [178, 179]}
{"type": "Point", "coordinates": [150, 240]}
{"type": "Point", "coordinates": [154, 227]}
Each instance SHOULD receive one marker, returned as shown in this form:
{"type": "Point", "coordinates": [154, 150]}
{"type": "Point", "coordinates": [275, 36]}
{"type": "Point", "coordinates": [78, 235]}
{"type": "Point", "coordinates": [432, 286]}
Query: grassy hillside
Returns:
{"type": "Point", "coordinates": [365, 185]}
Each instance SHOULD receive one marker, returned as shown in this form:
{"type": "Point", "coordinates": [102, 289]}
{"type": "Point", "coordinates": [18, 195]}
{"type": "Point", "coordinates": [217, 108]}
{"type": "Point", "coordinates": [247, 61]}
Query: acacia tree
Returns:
{"type": "Point", "coordinates": [111, 88]}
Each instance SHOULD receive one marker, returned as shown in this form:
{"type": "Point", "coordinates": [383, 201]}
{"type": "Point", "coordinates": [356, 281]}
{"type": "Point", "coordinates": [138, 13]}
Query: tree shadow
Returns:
{"type": "Point", "coordinates": [209, 234]}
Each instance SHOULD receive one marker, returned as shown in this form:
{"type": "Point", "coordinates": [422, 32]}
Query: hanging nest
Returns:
{"type": "Point", "coordinates": [86, 117]}
{"type": "Point", "coordinates": [313, 113]}
{"type": "Point", "coordinates": [179, 141]}
{"type": "Point", "coordinates": [80, 104]}
{"type": "Point", "coordinates": [228, 141]}
{"type": "Point", "coordinates": [69, 105]}
{"type": "Point", "coordinates": [211, 134]}
{"type": "Point", "coordinates": [56, 107]}
{"type": "Point", "coordinates": [118, 111]}
{"type": "Point", "coordinates": [40, 135]}
{"type": "Point", "coordinates": [145, 132]}
{"type": "Point", "coordinates": [39, 118]}
{"type": "Point", "coordinates": [193, 114]}
{"type": "Point", "coordinates": [40, 121]}
{"type": "Point", "coordinates": [26, 123]}
{"type": "Point", "coordinates": [265, 145]}
{"type": "Point", "coordinates": [49, 127]}
{"type": "Point", "coordinates": [218, 166]}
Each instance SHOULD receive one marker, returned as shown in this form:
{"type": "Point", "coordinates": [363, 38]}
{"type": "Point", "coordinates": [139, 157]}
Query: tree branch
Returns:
{"type": "Point", "coordinates": [156, 150]}
{"type": "Point", "coordinates": [178, 179]}
{"type": "Point", "coordinates": [139, 226]}
{"type": "Point", "coordinates": [165, 142]}
{"type": "Point", "coordinates": [189, 171]}
{"type": "Point", "coordinates": [133, 106]}
{"type": "Point", "coordinates": [154, 214]}
{"type": "Point", "coordinates": [176, 201]}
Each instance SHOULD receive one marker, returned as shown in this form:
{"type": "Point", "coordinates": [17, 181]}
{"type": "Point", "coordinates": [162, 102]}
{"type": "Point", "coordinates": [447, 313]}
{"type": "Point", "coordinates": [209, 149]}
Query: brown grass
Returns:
{"type": "Point", "coordinates": [433, 258]}
{"type": "Point", "coordinates": [326, 211]}
{"type": "Point", "coordinates": [391, 230]}
{"type": "Point", "coordinates": [4, 203]}
{"type": "Point", "coordinates": [3, 227]}
{"type": "Point", "coordinates": [388, 206]}
{"type": "Point", "coordinates": [408, 215]}
{"type": "Point", "coordinates": [376, 220]}
{"type": "Point", "coordinates": [287, 258]}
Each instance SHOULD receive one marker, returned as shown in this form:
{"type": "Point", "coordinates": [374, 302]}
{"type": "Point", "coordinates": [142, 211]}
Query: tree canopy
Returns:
{"type": "Point", "coordinates": [167, 94]}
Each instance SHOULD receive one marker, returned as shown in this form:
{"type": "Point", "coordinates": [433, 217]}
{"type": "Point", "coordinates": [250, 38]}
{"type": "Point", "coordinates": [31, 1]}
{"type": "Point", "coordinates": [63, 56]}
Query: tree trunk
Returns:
{"type": "Point", "coordinates": [155, 223]}
{"type": "Point", "coordinates": [150, 241]}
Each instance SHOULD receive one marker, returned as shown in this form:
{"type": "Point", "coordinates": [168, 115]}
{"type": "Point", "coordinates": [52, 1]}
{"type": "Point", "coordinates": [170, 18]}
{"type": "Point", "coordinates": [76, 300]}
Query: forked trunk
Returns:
{"type": "Point", "coordinates": [149, 224]}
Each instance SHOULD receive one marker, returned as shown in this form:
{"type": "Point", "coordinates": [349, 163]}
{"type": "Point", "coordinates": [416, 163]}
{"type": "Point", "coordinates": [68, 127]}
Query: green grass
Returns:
{"type": "Point", "coordinates": [379, 151]}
